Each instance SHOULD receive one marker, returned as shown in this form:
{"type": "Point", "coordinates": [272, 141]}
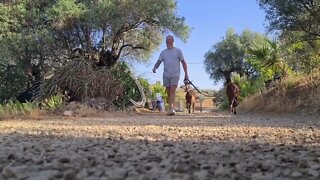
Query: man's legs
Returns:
{"type": "Point", "coordinates": [171, 85]}
{"type": "Point", "coordinates": [171, 92]}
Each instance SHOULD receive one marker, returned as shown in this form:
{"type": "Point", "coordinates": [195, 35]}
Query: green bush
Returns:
{"type": "Point", "coordinates": [52, 103]}
{"type": "Point", "coordinates": [13, 109]}
{"type": "Point", "coordinates": [12, 82]}
{"type": "Point", "coordinates": [122, 74]}
{"type": "Point", "coordinates": [159, 88]}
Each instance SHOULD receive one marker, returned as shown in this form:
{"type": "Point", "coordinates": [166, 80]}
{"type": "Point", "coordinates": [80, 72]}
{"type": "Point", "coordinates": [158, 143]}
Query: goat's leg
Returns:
{"type": "Point", "coordinates": [188, 106]}
{"type": "Point", "coordinates": [193, 107]}
{"type": "Point", "coordinates": [230, 107]}
{"type": "Point", "coordinates": [233, 106]}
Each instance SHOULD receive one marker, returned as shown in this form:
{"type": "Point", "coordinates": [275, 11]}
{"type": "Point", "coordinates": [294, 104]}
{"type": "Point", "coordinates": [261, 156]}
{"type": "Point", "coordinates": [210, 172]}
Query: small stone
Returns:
{"type": "Point", "coordinates": [313, 172]}
{"type": "Point", "coordinates": [205, 166]}
{"type": "Point", "coordinates": [117, 174]}
{"type": "Point", "coordinates": [220, 171]}
{"type": "Point", "coordinates": [315, 166]}
{"type": "Point", "coordinates": [296, 174]}
{"type": "Point", "coordinates": [70, 175]}
{"type": "Point", "coordinates": [82, 174]}
{"type": "Point", "coordinates": [98, 173]}
{"type": "Point", "coordinates": [11, 157]}
{"type": "Point", "coordinates": [201, 175]}
{"type": "Point", "coordinates": [286, 172]}
{"type": "Point", "coordinates": [68, 113]}
{"type": "Point", "coordinates": [46, 174]}
{"type": "Point", "coordinates": [261, 176]}
{"type": "Point", "coordinates": [8, 172]}
{"type": "Point", "coordinates": [64, 160]}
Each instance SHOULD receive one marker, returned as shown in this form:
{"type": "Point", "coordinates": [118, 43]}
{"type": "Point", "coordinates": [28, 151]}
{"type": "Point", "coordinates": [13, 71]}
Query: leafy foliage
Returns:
{"type": "Point", "coordinates": [40, 35]}
{"type": "Point", "coordinates": [123, 27]}
{"type": "Point", "coordinates": [297, 22]}
{"type": "Point", "coordinates": [294, 15]}
{"type": "Point", "coordinates": [159, 88]}
{"type": "Point", "coordinates": [230, 53]}
{"type": "Point", "coordinates": [53, 102]}
{"type": "Point", "coordinates": [13, 109]}
{"type": "Point", "coordinates": [12, 81]}
{"type": "Point", "coordinates": [301, 56]}
{"type": "Point", "coordinates": [121, 73]}
{"type": "Point", "coordinates": [267, 59]}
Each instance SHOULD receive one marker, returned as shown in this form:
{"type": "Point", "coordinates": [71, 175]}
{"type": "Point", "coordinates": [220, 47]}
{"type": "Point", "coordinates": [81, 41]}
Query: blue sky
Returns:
{"type": "Point", "coordinates": [210, 19]}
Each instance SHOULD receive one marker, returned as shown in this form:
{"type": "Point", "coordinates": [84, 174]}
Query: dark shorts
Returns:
{"type": "Point", "coordinates": [170, 81]}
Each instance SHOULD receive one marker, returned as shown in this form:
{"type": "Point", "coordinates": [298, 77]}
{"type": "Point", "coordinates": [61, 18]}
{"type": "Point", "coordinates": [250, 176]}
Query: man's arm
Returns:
{"type": "Point", "coordinates": [156, 66]}
{"type": "Point", "coordinates": [185, 68]}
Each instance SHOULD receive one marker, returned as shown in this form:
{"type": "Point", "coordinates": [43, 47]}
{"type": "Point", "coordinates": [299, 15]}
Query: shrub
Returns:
{"type": "Point", "coordinates": [16, 109]}
{"type": "Point", "coordinates": [81, 79]}
{"type": "Point", "coordinates": [53, 103]}
{"type": "Point", "coordinates": [12, 81]}
{"type": "Point", "coordinates": [159, 88]}
{"type": "Point", "coordinates": [130, 90]}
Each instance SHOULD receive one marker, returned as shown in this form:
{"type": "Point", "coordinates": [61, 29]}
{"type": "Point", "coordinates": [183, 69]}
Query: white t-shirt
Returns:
{"type": "Point", "coordinates": [171, 59]}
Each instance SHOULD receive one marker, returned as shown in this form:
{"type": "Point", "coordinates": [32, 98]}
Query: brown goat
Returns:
{"type": "Point", "coordinates": [190, 99]}
{"type": "Point", "coordinates": [232, 91]}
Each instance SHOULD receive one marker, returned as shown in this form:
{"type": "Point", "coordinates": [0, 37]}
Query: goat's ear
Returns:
{"type": "Point", "coordinates": [220, 70]}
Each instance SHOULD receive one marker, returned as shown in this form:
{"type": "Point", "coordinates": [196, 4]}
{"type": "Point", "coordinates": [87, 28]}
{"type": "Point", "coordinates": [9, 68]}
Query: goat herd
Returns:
{"type": "Point", "coordinates": [232, 91]}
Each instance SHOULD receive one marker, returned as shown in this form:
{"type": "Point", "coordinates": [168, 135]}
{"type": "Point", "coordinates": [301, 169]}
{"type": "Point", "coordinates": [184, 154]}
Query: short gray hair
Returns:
{"type": "Point", "coordinates": [170, 36]}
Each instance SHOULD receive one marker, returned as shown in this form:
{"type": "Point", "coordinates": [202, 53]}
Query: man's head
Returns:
{"type": "Point", "coordinates": [169, 41]}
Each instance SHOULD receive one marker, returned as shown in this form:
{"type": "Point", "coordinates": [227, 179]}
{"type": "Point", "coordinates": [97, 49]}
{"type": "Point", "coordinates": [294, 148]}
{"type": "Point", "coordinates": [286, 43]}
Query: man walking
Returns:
{"type": "Point", "coordinates": [171, 57]}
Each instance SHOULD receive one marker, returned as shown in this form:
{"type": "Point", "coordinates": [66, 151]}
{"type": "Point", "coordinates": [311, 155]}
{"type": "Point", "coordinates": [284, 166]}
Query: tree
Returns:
{"type": "Point", "coordinates": [229, 54]}
{"type": "Point", "coordinates": [128, 29]}
{"type": "Point", "coordinates": [300, 55]}
{"type": "Point", "coordinates": [41, 35]}
{"type": "Point", "coordinates": [29, 40]}
{"type": "Point", "coordinates": [294, 15]}
{"type": "Point", "coordinates": [267, 59]}
{"type": "Point", "coordinates": [113, 29]}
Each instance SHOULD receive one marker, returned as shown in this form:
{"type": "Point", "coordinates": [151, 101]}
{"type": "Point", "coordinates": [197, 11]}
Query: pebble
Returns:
{"type": "Point", "coordinates": [142, 147]}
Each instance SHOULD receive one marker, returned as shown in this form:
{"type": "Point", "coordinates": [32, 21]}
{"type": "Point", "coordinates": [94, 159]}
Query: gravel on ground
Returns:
{"type": "Point", "coordinates": [151, 146]}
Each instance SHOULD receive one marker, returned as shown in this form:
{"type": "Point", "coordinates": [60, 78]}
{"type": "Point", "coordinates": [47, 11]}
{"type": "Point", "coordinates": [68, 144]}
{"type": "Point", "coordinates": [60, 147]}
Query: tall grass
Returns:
{"type": "Point", "coordinates": [293, 94]}
{"type": "Point", "coordinates": [12, 110]}
{"type": "Point", "coordinates": [16, 109]}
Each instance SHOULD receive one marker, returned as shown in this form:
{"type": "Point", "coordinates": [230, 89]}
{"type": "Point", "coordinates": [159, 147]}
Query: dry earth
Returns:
{"type": "Point", "coordinates": [154, 146]}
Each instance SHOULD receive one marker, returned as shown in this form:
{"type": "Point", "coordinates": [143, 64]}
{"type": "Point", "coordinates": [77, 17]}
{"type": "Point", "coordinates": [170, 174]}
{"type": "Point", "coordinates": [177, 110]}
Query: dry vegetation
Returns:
{"type": "Point", "coordinates": [83, 80]}
{"type": "Point", "coordinates": [294, 94]}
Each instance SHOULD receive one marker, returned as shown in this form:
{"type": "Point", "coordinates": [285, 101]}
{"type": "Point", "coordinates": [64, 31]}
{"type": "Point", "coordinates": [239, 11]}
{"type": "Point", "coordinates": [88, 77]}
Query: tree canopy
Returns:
{"type": "Point", "coordinates": [41, 35]}
{"type": "Point", "coordinates": [298, 24]}
{"type": "Point", "coordinates": [294, 15]}
{"type": "Point", "coordinates": [230, 53]}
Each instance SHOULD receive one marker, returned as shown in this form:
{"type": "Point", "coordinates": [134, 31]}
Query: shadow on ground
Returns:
{"type": "Point", "coordinates": [48, 156]}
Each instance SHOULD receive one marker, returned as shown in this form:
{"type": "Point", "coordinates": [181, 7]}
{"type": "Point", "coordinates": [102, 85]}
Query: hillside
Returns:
{"type": "Point", "coordinates": [299, 94]}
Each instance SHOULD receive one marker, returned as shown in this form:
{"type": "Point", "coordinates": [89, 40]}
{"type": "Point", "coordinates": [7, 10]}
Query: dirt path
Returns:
{"type": "Point", "coordinates": [153, 146]}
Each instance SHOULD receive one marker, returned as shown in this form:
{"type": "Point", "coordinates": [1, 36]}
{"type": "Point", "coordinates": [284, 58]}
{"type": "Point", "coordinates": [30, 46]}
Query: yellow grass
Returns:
{"type": "Point", "coordinates": [294, 94]}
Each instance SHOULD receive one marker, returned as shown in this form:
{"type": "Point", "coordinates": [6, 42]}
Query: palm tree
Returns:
{"type": "Point", "coordinates": [266, 57]}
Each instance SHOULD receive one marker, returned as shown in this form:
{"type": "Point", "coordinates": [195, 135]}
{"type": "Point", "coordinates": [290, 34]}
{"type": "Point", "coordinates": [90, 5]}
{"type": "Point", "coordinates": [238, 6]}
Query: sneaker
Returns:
{"type": "Point", "coordinates": [171, 112]}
